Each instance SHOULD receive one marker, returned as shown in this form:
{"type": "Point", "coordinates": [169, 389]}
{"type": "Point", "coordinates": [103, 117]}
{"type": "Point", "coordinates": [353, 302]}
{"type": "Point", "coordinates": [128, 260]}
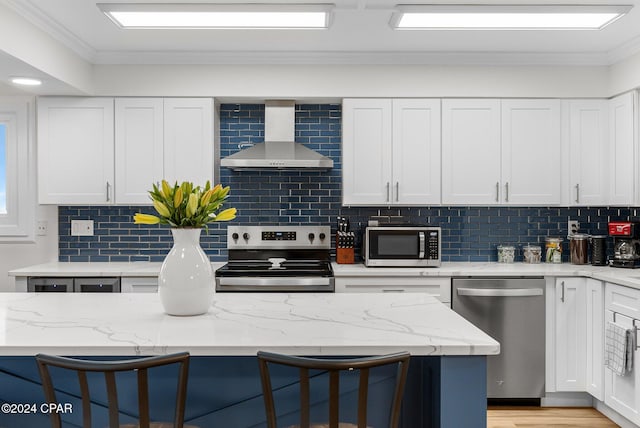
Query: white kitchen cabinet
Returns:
{"type": "Point", "coordinates": [75, 151]}
{"type": "Point", "coordinates": [138, 148]}
{"type": "Point", "coordinates": [622, 393]}
{"type": "Point", "coordinates": [140, 284]}
{"type": "Point", "coordinates": [501, 152]}
{"type": "Point", "coordinates": [437, 287]}
{"type": "Point", "coordinates": [471, 162]}
{"type": "Point", "coordinates": [570, 334]}
{"type": "Point", "coordinates": [188, 140]}
{"type": "Point", "coordinates": [531, 152]}
{"type": "Point", "coordinates": [595, 338]}
{"type": "Point", "coordinates": [391, 152]}
{"type": "Point", "coordinates": [586, 135]}
{"type": "Point", "coordinates": [621, 148]}
{"type": "Point", "coordinates": [93, 152]}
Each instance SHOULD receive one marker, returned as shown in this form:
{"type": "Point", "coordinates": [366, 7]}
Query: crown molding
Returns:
{"type": "Point", "coordinates": [60, 33]}
{"type": "Point", "coordinates": [624, 51]}
{"type": "Point", "coordinates": [351, 57]}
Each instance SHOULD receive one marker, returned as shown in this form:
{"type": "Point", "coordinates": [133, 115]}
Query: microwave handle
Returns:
{"type": "Point", "coordinates": [421, 246]}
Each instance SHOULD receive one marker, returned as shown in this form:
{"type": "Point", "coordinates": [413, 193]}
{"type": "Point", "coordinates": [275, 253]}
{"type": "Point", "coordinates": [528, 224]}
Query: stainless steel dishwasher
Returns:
{"type": "Point", "coordinates": [512, 311]}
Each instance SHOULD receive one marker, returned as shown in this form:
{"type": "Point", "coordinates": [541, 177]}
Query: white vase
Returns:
{"type": "Point", "coordinates": [186, 281]}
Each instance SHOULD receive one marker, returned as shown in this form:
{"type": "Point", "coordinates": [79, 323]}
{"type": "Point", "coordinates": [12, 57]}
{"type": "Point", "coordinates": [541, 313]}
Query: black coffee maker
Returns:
{"type": "Point", "coordinates": [626, 244]}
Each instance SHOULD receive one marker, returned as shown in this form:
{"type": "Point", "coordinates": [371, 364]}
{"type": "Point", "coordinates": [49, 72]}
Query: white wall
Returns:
{"type": "Point", "coordinates": [338, 81]}
{"type": "Point", "coordinates": [625, 75]}
{"type": "Point", "coordinates": [18, 255]}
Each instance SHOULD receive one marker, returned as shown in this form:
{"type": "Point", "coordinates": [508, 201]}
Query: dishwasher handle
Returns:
{"type": "Point", "coordinates": [500, 292]}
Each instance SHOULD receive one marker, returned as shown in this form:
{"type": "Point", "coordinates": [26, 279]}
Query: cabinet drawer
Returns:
{"type": "Point", "coordinates": [438, 287]}
{"type": "Point", "coordinates": [623, 300]}
{"type": "Point", "coordinates": [140, 284]}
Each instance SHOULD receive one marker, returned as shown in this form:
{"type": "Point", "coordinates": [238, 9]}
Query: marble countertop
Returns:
{"type": "Point", "coordinates": [627, 277]}
{"type": "Point", "coordinates": [237, 324]}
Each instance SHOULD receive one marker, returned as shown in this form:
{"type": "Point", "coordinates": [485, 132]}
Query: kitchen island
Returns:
{"type": "Point", "coordinates": [448, 365]}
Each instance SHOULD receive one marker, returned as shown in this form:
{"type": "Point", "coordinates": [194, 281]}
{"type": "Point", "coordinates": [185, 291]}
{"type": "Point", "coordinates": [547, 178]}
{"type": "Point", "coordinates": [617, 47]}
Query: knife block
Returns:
{"type": "Point", "coordinates": [344, 256]}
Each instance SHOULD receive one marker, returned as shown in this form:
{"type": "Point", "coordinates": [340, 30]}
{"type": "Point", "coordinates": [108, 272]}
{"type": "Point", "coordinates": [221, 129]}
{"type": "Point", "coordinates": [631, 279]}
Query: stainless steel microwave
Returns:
{"type": "Point", "coordinates": [410, 246]}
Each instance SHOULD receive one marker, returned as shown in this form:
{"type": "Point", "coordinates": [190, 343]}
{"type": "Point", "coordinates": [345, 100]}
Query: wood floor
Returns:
{"type": "Point", "coordinates": [546, 417]}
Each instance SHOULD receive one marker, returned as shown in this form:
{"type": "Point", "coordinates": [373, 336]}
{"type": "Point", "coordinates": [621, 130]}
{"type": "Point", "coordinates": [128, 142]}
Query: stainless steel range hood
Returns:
{"type": "Point", "coordinates": [279, 150]}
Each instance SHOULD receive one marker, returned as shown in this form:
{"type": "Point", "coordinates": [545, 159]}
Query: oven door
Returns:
{"type": "Point", "coordinates": [400, 246]}
{"type": "Point", "coordinates": [275, 283]}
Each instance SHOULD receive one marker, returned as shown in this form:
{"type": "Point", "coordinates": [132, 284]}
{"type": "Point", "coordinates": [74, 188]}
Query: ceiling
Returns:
{"type": "Point", "coordinates": [359, 33]}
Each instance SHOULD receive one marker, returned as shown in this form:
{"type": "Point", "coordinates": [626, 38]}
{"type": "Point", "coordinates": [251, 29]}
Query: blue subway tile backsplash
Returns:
{"type": "Point", "coordinates": [302, 197]}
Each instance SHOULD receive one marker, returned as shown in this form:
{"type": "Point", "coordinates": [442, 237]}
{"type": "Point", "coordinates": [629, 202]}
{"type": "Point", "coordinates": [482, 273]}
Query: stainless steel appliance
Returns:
{"type": "Point", "coordinates": [512, 311]}
{"type": "Point", "coordinates": [71, 285]}
{"type": "Point", "coordinates": [579, 249]}
{"type": "Point", "coordinates": [277, 258]}
{"type": "Point", "coordinates": [402, 245]}
{"type": "Point", "coordinates": [626, 244]}
{"type": "Point", "coordinates": [599, 250]}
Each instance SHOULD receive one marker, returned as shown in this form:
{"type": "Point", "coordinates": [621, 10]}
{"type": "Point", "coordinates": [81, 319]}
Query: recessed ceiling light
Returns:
{"type": "Point", "coordinates": [474, 17]}
{"type": "Point", "coordinates": [26, 81]}
{"type": "Point", "coordinates": [228, 16]}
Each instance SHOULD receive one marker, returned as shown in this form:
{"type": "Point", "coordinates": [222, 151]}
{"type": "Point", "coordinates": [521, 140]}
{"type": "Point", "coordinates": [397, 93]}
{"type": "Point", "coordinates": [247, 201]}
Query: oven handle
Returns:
{"type": "Point", "coordinates": [500, 292]}
{"type": "Point", "coordinates": [279, 281]}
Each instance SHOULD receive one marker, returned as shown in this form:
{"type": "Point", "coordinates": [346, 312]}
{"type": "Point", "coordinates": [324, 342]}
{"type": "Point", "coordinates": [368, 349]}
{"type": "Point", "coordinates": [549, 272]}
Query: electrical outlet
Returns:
{"type": "Point", "coordinates": [81, 227]}
{"type": "Point", "coordinates": [41, 228]}
{"type": "Point", "coordinates": [573, 227]}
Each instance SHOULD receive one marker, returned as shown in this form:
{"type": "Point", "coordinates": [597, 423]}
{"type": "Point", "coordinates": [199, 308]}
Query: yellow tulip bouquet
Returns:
{"type": "Point", "coordinates": [187, 206]}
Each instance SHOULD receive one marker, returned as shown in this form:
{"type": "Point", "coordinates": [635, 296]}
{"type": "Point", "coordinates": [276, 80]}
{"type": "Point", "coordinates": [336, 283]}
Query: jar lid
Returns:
{"type": "Point", "coordinates": [531, 247]}
{"type": "Point", "coordinates": [506, 247]}
{"type": "Point", "coordinates": [579, 236]}
{"type": "Point", "coordinates": [553, 239]}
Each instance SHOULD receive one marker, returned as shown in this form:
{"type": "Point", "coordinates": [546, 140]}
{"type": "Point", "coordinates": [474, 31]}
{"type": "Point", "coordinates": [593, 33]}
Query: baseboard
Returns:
{"type": "Point", "coordinates": [567, 399]}
{"type": "Point", "coordinates": [613, 415]}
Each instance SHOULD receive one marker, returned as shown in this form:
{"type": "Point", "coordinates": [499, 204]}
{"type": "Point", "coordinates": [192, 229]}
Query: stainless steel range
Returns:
{"type": "Point", "coordinates": [277, 258]}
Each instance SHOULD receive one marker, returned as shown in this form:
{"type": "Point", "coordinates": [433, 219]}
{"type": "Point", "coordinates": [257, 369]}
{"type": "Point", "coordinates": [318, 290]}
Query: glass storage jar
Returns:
{"type": "Point", "coordinates": [553, 252]}
{"type": "Point", "coordinates": [532, 254]}
{"type": "Point", "coordinates": [506, 253]}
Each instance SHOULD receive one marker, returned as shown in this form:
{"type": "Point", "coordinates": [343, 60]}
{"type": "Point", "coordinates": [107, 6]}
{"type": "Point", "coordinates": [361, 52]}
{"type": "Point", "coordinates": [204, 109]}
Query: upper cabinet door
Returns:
{"type": "Point", "coordinates": [188, 140]}
{"type": "Point", "coordinates": [366, 152]}
{"type": "Point", "coordinates": [531, 152]}
{"type": "Point", "coordinates": [621, 149]}
{"type": "Point", "coordinates": [75, 151]}
{"type": "Point", "coordinates": [138, 148]}
{"type": "Point", "coordinates": [471, 152]}
{"type": "Point", "coordinates": [587, 132]}
{"type": "Point", "coordinates": [416, 152]}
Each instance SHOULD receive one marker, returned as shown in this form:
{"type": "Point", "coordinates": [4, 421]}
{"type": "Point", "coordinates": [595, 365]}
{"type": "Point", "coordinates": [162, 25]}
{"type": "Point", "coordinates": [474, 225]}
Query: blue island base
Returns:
{"type": "Point", "coordinates": [445, 392]}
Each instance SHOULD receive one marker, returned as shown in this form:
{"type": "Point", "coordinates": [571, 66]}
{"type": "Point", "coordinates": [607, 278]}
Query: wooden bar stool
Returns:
{"type": "Point", "coordinates": [334, 367]}
{"type": "Point", "coordinates": [109, 369]}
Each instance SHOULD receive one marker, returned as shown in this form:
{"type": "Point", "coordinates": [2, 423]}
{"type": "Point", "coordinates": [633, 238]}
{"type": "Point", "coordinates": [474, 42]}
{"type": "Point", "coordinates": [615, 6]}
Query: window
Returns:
{"type": "Point", "coordinates": [17, 201]}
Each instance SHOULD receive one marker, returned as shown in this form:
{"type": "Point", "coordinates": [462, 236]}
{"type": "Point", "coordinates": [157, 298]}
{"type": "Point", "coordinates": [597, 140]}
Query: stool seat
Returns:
{"type": "Point", "coordinates": [157, 425]}
{"type": "Point", "coordinates": [340, 425]}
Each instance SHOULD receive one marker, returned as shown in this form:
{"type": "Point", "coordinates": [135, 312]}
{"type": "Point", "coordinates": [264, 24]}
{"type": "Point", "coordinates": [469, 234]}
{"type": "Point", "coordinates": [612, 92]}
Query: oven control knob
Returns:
{"type": "Point", "coordinates": [245, 236]}
{"type": "Point", "coordinates": [235, 236]}
{"type": "Point", "coordinates": [312, 236]}
{"type": "Point", "coordinates": [322, 236]}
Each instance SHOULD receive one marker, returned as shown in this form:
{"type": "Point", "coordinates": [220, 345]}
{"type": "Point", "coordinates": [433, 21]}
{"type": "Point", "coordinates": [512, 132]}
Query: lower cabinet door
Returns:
{"type": "Point", "coordinates": [622, 393]}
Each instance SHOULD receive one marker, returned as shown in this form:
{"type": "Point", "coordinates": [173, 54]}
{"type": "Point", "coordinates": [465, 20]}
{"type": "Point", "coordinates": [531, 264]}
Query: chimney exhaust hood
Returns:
{"type": "Point", "coordinates": [279, 150]}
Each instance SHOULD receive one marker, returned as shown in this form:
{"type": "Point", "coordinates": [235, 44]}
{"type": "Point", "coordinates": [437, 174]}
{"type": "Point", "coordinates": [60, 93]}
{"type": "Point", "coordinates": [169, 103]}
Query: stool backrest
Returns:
{"type": "Point", "coordinates": [109, 369]}
{"type": "Point", "coordinates": [333, 367]}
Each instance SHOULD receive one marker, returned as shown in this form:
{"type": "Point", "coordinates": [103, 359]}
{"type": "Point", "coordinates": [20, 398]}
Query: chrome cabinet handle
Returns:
{"type": "Point", "coordinates": [387, 192]}
{"type": "Point", "coordinates": [500, 292]}
{"type": "Point", "coordinates": [562, 295]}
{"type": "Point", "coordinates": [108, 192]}
{"type": "Point", "coordinates": [506, 197]}
{"type": "Point", "coordinates": [578, 193]}
{"type": "Point", "coordinates": [392, 290]}
{"type": "Point", "coordinates": [397, 191]}
{"type": "Point", "coordinates": [497, 191]}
